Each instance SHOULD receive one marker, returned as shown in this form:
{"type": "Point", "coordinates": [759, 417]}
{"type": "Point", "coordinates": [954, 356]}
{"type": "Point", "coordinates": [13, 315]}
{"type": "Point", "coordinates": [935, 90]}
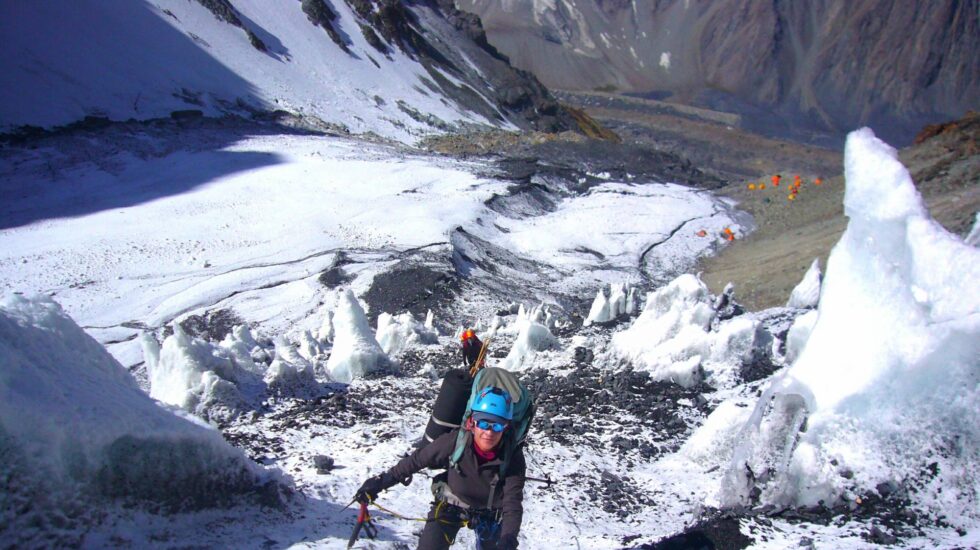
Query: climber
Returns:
{"type": "Point", "coordinates": [472, 346]}
{"type": "Point", "coordinates": [483, 485]}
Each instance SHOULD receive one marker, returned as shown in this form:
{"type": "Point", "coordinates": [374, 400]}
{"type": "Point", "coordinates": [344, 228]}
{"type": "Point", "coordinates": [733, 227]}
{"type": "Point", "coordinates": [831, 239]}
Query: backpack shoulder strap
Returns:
{"type": "Point", "coordinates": [524, 409]}
{"type": "Point", "coordinates": [462, 438]}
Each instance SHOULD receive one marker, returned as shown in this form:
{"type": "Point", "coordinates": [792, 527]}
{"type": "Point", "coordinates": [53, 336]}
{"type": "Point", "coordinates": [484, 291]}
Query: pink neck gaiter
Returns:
{"type": "Point", "coordinates": [483, 456]}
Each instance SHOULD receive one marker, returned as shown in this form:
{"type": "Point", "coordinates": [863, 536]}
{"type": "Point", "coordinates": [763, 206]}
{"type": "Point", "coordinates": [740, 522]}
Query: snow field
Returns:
{"type": "Point", "coordinates": [254, 240]}
{"type": "Point", "coordinates": [279, 225]}
{"type": "Point", "coordinates": [217, 69]}
{"type": "Point", "coordinates": [880, 386]}
{"type": "Point", "coordinates": [621, 221]}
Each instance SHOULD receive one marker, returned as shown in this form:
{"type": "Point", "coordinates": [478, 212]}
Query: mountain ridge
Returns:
{"type": "Point", "coordinates": [835, 66]}
{"type": "Point", "coordinates": [331, 63]}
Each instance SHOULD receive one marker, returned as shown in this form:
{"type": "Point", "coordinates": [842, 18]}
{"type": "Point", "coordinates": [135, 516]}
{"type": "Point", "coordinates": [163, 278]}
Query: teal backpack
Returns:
{"type": "Point", "coordinates": [523, 413]}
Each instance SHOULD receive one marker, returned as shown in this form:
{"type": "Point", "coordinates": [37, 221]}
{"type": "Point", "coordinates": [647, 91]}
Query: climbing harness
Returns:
{"type": "Point", "coordinates": [484, 522]}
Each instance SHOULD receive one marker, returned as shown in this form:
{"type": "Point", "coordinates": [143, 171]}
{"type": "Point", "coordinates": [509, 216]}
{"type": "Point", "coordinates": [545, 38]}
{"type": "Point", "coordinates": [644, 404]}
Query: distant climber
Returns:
{"type": "Point", "coordinates": [472, 346]}
{"type": "Point", "coordinates": [483, 485]}
{"type": "Point", "coordinates": [775, 180]}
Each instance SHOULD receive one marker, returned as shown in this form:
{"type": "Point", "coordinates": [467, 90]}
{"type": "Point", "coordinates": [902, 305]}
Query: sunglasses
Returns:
{"type": "Point", "coordinates": [487, 425]}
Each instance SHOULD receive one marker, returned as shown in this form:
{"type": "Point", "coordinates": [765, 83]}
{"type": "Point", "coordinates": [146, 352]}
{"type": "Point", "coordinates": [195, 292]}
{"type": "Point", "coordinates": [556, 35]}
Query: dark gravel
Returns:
{"type": "Point", "coordinates": [416, 285]}
{"type": "Point", "coordinates": [580, 407]}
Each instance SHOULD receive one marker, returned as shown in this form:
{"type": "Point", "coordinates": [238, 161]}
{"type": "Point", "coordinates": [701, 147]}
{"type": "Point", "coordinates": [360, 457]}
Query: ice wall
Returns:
{"type": "Point", "coordinates": [533, 336]}
{"type": "Point", "coordinates": [356, 352]}
{"type": "Point", "coordinates": [201, 377]}
{"type": "Point", "coordinates": [678, 337]}
{"type": "Point", "coordinates": [887, 388]}
{"type": "Point", "coordinates": [806, 294]}
{"type": "Point", "coordinates": [621, 301]}
{"type": "Point", "coordinates": [76, 429]}
{"type": "Point", "coordinates": [397, 333]}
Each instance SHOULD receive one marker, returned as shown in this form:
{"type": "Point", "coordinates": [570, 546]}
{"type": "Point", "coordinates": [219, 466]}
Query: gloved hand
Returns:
{"type": "Point", "coordinates": [507, 542]}
{"type": "Point", "coordinates": [369, 489]}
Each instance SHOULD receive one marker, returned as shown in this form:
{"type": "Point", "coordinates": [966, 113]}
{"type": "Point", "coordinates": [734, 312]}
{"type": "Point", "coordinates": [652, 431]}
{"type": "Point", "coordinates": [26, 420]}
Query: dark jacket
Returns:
{"type": "Point", "coordinates": [474, 484]}
{"type": "Point", "coordinates": [471, 351]}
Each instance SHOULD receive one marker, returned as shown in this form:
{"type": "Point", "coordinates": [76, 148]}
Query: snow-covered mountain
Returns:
{"type": "Point", "coordinates": [212, 330]}
{"type": "Point", "coordinates": [397, 70]}
{"type": "Point", "coordinates": [668, 405]}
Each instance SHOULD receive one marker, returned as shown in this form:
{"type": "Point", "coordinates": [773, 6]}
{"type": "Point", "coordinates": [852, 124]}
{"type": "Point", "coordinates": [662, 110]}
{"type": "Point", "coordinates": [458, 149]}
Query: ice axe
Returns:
{"type": "Point", "coordinates": [363, 522]}
{"type": "Point", "coordinates": [480, 358]}
{"type": "Point", "coordinates": [548, 482]}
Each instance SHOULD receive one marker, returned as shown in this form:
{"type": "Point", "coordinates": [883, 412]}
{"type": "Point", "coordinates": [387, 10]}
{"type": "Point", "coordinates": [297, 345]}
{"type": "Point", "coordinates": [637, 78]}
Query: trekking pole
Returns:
{"type": "Point", "coordinates": [479, 358]}
{"type": "Point", "coordinates": [561, 501]}
{"type": "Point", "coordinates": [363, 522]}
{"type": "Point", "coordinates": [547, 480]}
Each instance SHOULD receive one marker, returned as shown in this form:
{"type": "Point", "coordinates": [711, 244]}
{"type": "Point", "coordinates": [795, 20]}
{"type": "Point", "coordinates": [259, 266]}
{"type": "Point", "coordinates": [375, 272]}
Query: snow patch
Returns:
{"type": "Point", "coordinates": [712, 443]}
{"type": "Point", "coordinates": [806, 294]}
{"type": "Point", "coordinates": [973, 238]}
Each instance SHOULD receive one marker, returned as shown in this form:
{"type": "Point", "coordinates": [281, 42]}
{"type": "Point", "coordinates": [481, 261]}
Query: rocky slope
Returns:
{"type": "Point", "coordinates": [446, 39]}
{"type": "Point", "coordinates": [830, 65]}
{"type": "Point", "coordinates": [767, 264]}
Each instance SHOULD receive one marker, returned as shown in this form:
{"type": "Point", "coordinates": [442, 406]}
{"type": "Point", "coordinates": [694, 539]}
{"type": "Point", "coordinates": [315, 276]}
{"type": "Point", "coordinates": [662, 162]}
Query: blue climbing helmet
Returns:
{"type": "Point", "coordinates": [495, 401]}
{"type": "Point", "coordinates": [518, 405]}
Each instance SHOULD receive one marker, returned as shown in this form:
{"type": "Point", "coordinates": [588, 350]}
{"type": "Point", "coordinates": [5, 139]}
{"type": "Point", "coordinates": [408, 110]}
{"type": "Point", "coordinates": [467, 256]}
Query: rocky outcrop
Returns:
{"type": "Point", "coordinates": [830, 65]}
{"type": "Point", "coordinates": [320, 14]}
{"type": "Point", "coordinates": [446, 40]}
{"type": "Point", "coordinates": [395, 24]}
{"type": "Point", "coordinates": [769, 263]}
{"type": "Point", "coordinates": [224, 11]}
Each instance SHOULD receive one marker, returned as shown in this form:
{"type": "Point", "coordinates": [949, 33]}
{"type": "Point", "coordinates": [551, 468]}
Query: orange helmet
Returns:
{"type": "Point", "coordinates": [467, 334]}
